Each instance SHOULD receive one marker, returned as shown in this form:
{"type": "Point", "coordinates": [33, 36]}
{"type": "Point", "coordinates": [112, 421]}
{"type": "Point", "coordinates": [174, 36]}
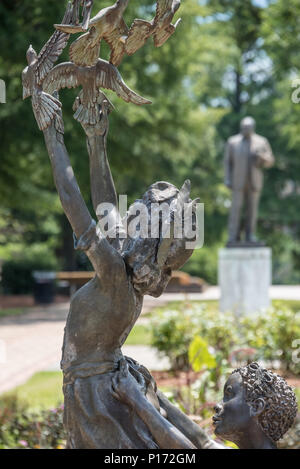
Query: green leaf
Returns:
{"type": "Point", "coordinates": [199, 355]}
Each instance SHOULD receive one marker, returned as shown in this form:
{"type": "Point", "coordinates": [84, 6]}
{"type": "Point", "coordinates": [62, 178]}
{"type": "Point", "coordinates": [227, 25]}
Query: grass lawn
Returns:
{"type": "Point", "coordinates": [294, 305]}
{"type": "Point", "coordinates": [135, 336]}
{"type": "Point", "coordinates": [42, 391]}
{"type": "Point", "coordinates": [140, 335]}
{"type": "Point", "coordinates": [11, 312]}
{"type": "Point", "coordinates": [214, 304]}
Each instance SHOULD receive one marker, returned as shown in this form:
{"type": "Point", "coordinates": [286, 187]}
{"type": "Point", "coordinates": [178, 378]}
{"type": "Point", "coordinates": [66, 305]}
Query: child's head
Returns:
{"type": "Point", "coordinates": [255, 396]}
{"type": "Point", "coordinates": [152, 259]}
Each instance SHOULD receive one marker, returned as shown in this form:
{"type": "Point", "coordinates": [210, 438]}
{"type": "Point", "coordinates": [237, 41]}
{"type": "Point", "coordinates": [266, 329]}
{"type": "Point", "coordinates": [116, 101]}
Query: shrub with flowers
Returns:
{"type": "Point", "coordinates": [24, 429]}
{"type": "Point", "coordinates": [270, 334]}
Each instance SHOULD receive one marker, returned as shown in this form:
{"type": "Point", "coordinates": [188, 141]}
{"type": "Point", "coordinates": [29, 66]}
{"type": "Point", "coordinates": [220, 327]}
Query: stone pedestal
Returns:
{"type": "Point", "coordinates": [245, 275]}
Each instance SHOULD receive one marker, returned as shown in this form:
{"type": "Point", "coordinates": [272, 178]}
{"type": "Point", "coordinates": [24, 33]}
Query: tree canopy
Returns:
{"type": "Point", "coordinates": [227, 59]}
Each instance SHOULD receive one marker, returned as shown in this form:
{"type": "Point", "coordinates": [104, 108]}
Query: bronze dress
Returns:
{"type": "Point", "coordinates": [101, 316]}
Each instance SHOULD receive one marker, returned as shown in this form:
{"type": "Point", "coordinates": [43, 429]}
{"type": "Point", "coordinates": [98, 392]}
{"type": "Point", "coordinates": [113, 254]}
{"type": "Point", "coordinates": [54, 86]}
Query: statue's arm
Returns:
{"type": "Point", "coordinates": [186, 426]}
{"type": "Point", "coordinates": [66, 184]}
{"type": "Point", "coordinates": [166, 435]}
{"type": "Point", "coordinates": [228, 165]}
{"type": "Point", "coordinates": [175, 431]}
{"type": "Point", "coordinates": [126, 389]}
{"type": "Point", "coordinates": [102, 184]}
{"type": "Point", "coordinates": [104, 196]}
{"type": "Point", "coordinates": [102, 255]}
{"type": "Point", "coordinates": [268, 156]}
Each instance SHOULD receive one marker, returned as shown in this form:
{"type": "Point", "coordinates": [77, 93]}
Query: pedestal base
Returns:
{"type": "Point", "coordinates": [245, 275]}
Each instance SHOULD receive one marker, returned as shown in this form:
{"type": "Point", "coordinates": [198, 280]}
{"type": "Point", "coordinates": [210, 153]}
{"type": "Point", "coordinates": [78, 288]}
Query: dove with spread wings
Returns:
{"type": "Point", "coordinates": [102, 75]}
{"type": "Point", "coordinates": [75, 26]}
{"type": "Point", "coordinates": [46, 108]}
{"type": "Point", "coordinates": [161, 27]}
{"type": "Point", "coordinates": [110, 26]}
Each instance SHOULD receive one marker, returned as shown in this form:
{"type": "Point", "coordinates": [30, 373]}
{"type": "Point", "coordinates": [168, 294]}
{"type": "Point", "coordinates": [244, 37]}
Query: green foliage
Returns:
{"type": "Point", "coordinates": [200, 356]}
{"type": "Point", "coordinates": [17, 274]}
{"type": "Point", "coordinates": [281, 31]}
{"type": "Point", "coordinates": [205, 262]}
{"type": "Point", "coordinates": [173, 330]}
{"type": "Point", "coordinates": [23, 429]}
{"type": "Point", "coordinates": [42, 391]}
{"type": "Point", "coordinates": [227, 59]}
{"type": "Point", "coordinates": [140, 335]}
{"type": "Point", "coordinates": [11, 312]}
{"type": "Point", "coordinates": [31, 416]}
{"type": "Point", "coordinates": [267, 337]}
{"type": "Point", "coordinates": [172, 334]}
{"type": "Point", "coordinates": [180, 332]}
{"type": "Point", "coordinates": [273, 334]}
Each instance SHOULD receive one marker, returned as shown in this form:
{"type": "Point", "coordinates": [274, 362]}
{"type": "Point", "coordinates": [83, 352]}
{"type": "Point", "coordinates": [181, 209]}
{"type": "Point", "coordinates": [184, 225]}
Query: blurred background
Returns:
{"type": "Point", "coordinates": [227, 59]}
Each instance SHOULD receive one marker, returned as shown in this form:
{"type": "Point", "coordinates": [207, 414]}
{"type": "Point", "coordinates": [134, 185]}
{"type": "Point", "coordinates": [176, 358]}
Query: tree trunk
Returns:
{"type": "Point", "coordinates": [238, 90]}
{"type": "Point", "coordinates": [67, 249]}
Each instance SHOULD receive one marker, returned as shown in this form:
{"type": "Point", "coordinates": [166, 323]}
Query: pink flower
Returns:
{"type": "Point", "coordinates": [23, 443]}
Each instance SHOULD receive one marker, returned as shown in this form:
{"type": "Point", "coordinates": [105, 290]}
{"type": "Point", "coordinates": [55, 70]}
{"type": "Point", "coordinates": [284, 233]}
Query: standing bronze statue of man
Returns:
{"type": "Point", "coordinates": [246, 155]}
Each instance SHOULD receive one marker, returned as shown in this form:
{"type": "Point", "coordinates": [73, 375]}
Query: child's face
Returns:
{"type": "Point", "coordinates": [232, 416]}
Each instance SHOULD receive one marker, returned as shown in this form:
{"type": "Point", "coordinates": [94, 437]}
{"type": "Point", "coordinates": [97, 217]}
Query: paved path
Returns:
{"type": "Point", "coordinates": [32, 342]}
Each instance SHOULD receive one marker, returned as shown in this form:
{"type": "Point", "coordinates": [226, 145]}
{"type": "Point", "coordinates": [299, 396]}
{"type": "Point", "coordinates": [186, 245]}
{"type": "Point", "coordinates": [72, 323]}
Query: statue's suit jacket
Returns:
{"type": "Point", "coordinates": [240, 169]}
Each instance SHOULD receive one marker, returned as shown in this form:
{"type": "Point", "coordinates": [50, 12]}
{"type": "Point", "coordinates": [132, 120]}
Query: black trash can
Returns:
{"type": "Point", "coordinates": [44, 287]}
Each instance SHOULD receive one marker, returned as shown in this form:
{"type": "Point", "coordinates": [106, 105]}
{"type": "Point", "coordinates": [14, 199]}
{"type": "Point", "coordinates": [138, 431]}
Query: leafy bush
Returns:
{"type": "Point", "coordinates": [272, 335]}
{"type": "Point", "coordinates": [17, 273]}
{"type": "Point", "coordinates": [21, 428]}
{"type": "Point", "coordinates": [266, 336]}
{"type": "Point", "coordinates": [204, 264]}
{"type": "Point", "coordinates": [172, 332]}
{"type": "Point", "coordinates": [214, 343]}
{"type": "Point", "coordinates": [174, 329]}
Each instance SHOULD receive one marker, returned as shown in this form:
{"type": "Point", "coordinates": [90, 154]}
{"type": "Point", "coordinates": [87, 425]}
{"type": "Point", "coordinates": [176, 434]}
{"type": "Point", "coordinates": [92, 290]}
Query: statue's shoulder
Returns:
{"type": "Point", "coordinates": [235, 139]}
{"type": "Point", "coordinates": [260, 139]}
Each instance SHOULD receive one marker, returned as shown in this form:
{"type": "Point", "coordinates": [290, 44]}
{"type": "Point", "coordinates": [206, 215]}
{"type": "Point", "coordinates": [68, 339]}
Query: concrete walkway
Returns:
{"type": "Point", "coordinates": [32, 342]}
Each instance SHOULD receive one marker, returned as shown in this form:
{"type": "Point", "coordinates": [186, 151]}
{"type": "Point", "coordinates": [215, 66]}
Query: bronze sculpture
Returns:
{"type": "Point", "coordinates": [101, 75]}
{"type": "Point", "coordinates": [98, 409]}
{"type": "Point", "coordinates": [109, 25]}
{"type": "Point", "coordinates": [247, 154]}
{"type": "Point", "coordinates": [103, 312]}
{"type": "Point", "coordinates": [258, 408]}
{"type": "Point", "coordinates": [75, 26]}
{"type": "Point", "coordinates": [45, 106]}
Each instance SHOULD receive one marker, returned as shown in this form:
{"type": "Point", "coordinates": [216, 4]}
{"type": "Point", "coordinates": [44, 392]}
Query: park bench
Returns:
{"type": "Point", "coordinates": [180, 282]}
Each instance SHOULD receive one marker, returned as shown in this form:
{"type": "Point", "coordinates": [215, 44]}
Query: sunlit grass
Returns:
{"type": "Point", "coordinates": [140, 335]}
{"type": "Point", "coordinates": [11, 312]}
{"type": "Point", "coordinates": [42, 391]}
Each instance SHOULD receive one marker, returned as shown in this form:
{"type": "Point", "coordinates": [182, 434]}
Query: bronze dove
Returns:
{"type": "Point", "coordinates": [160, 27]}
{"type": "Point", "coordinates": [45, 107]}
{"type": "Point", "coordinates": [75, 26]}
{"type": "Point", "coordinates": [102, 75]}
{"type": "Point", "coordinates": [109, 25]}
{"type": "Point", "coordinates": [163, 27]}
